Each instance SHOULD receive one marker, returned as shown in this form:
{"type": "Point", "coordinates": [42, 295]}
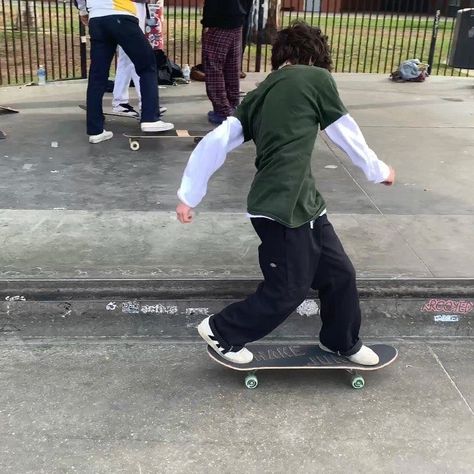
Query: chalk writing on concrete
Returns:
{"type": "Point", "coordinates": [15, 298]}
{"type": "Point", "coordinates": [135, 307]}
{"type": "Point", "coordinates": [435, 305]}
{"type": "Point", "coordinates": [446, 318]}
{"type": "Point", "coordinates": [159, 309]}
{"type": "Point", "coordinates": [198, 311]}
{"type": "Point", "coordinates": [131, 307]}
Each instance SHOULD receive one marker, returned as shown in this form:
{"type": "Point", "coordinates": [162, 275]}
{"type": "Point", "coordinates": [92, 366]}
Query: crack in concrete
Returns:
{"type": "Point", "coordinates": [453, 383]}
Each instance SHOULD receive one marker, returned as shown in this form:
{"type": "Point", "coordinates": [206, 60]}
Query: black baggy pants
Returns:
{"type": "Point", "coordinates": [293, 260]}
{"type": "Point", "coordinates": [108, 32]}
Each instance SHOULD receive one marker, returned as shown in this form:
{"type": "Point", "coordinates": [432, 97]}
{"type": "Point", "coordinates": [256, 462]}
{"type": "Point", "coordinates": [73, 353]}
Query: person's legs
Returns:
{"type": "Point", "coordinates": [335, 279]}
{"type": "Point", "coordinates": [126, 70]}
{"type": "Point", "coordinates": [215, 48]}
{"type": "Point", "coordinates": [232, 68]}
{"type": "Point", "coordinates": [288, 259]}
{"type": "Point", "coordinates": [103, 48]}
{"type": "Point", "coordinates": [248, 5]}
{"type": "Point", "coordinates": [130, 37]}
{"type": "Point", "coordinates": [123, 75]}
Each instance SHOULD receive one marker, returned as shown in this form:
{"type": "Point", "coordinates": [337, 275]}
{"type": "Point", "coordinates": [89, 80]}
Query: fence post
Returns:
{"type": "Point", "coordinates": [83, 49]}
{"type": "Point", "coordinates": [260, 32]}
{"type": "Point", "coordinates": [434, 36]}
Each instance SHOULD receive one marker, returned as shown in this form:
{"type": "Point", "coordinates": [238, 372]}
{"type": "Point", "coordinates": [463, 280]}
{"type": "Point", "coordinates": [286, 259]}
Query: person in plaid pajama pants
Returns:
{"type": "Point", "coordinates": [222, 55]}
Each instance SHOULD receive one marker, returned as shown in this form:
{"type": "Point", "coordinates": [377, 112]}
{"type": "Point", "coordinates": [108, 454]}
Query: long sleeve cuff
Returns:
{"type": "Point", "coordinates": [346, 134]}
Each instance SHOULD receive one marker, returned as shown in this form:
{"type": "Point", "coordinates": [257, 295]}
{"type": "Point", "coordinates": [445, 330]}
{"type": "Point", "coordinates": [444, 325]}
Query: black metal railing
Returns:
{"type": "Point", "coordinates": [38, 32]}
{"type": "Point", "coordinates": [371, 36]}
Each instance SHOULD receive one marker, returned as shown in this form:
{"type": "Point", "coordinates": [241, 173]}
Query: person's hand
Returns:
{"type": "Point", "coordinates": [184, 213]}
{"type": "Point", "coordinates": [84, 19]}
{"type": "Point", "coordinates": [390, 178]}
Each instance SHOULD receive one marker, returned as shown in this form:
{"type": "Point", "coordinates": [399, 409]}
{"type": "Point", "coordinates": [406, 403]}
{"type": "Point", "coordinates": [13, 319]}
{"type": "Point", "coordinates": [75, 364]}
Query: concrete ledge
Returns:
{"type": "Point", "coordinates": [171, 309]}
{"type": "Point", "coordinates": [83, 289]}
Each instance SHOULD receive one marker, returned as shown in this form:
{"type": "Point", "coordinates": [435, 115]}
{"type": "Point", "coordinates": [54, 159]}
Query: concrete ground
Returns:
{"type": "Point", "coordinates": [100, 367]}
{"type": "Point", "coordinates": [148, 407]}
{"type": "Point", "coordinates": [103, 211]}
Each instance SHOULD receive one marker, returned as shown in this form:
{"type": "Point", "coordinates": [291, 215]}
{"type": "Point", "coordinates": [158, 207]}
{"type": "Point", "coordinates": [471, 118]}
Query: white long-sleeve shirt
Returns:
{"type": "Point", "coordinates": [210, 154]}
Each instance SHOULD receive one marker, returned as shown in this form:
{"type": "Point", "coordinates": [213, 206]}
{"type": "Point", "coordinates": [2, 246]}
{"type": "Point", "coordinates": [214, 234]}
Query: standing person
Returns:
{"type": "Point", "coordinates": [221, 52]}
{"type": "Point", "coordinates": [126, 72]}
{"type": "Point", "coordinates": [299, 249]}
{"type": "Point", "coordinates": [111, 24]}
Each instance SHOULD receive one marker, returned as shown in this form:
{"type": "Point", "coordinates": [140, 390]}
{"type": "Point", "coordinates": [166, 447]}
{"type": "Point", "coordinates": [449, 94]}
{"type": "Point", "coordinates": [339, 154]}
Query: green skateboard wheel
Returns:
{"type": "Point", "coordinates": [251, 381]}
{"type": "Point", "coordinates": [358, 382]}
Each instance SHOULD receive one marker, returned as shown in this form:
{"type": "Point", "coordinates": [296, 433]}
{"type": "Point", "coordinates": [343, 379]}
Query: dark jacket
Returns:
{"type": "Point", "coordinates": [224, 14]}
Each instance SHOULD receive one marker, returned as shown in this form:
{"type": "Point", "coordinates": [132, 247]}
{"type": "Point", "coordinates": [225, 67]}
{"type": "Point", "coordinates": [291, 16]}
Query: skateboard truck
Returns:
{"type": "Point", "coordinates": [357, 381]}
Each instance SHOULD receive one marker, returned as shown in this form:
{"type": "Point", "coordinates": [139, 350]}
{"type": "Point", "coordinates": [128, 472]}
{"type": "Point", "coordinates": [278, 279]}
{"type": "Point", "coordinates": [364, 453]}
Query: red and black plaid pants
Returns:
{"type": "Point", "coordinates": [221, 53]}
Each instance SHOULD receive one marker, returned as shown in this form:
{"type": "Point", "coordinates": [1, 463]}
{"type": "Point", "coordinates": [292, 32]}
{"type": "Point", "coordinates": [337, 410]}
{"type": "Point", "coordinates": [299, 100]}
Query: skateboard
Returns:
{"type": "Point", "coordinates": [113, 114]}
{"type": "Point", "coordinates": [134, 142]}
{"type": "Point", "coordinates": [8, 110]}
{"type": "Point", "coordinates": [303, 356]}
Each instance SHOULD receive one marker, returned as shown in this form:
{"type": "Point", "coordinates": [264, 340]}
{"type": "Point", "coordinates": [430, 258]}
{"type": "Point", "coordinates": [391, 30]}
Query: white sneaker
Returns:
{"type": "Point", "coordinates": [364, 356]}
{"type": "Point", "coordinates": [158, 126]}
{"type": "Point", "coordinates": [126, 110]}
{"type": "Point", "coordinates": [101, 137]}
{"type": "Point", "coordinates": [244, 356]}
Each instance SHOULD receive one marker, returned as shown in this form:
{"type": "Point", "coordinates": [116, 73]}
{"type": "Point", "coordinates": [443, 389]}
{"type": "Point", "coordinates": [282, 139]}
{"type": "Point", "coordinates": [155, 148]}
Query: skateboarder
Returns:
{"type": "Point", "coordinates": [299, 249]}
{"type": "Point", "coordinates": [113, 24]}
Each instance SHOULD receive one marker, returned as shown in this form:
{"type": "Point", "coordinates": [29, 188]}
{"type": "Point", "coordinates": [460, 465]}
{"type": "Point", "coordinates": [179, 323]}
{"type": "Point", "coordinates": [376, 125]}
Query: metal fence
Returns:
{"type": "Point", "coordinates": [39, 32]}
{"type": "Point", "coordinates": [371, 36]}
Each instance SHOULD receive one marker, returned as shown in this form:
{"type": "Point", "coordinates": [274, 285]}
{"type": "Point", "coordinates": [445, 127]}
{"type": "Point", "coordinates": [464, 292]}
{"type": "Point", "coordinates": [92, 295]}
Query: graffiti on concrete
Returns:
{"type": "Point", "coordinates": [15, 298]}
{"type": "Point", "coordinates": [447, 306]}
{"type": "Point", "coordinates": [446, 318]}
{"type": "Point", "coordinates": [158, 309]}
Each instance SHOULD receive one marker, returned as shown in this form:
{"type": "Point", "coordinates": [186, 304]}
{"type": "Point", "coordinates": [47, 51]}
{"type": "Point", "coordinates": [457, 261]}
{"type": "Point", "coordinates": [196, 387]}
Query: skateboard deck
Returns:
{"type": "Point", "coordinates": [134, 139]}
{"type": "Point", "coordinates": [303, 356]}
{"type": "Point", "coordinates": [8, 110]}
{"type": "Point", "coordinates": [110, 113]}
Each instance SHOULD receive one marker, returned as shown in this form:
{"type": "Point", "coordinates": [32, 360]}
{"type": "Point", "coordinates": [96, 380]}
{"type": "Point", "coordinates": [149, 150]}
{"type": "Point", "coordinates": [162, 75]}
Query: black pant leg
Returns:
{"type": "Point", "coordinates": [288, 258]}
{"type": "Point", "coordinates": [103, 48]}
{"type": "Point", "coordinates": [131, 38]}
{"type": "Point", "coordinates": [335, 279]}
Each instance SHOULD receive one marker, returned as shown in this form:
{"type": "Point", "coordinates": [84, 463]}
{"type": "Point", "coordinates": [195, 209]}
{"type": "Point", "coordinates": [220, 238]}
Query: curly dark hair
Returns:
{"type": "Point", "coordinates": [301, 44]}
